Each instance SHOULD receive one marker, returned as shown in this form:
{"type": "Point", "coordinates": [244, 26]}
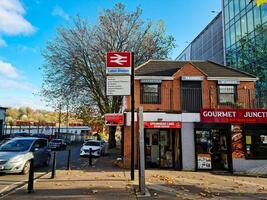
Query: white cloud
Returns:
{"type": "Point", "coordinates": [58, 11]}
{"type": "Point", "coordinates": [2, 43]}
{"type": "Point", "coordinates": [34, 102]}
{"type": "Point", "coordinates": [9, 84]}
{"type": "Point", "coordinates": [8, 70]}
{"type": "Point", "coordinates": [12, 21]}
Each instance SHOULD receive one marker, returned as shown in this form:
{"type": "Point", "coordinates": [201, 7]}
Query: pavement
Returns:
{"type": "Point", "coordinates": [105, 180]}
{"type": "Point", "coordinates": [10, 182]}
{"type": "Point", "coordinates": [170, 184]}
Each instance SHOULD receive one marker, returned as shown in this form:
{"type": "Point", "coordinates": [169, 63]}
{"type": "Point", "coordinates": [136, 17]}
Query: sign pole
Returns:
{"type": "Point", "coordinates": [141, 150]}
{"type": "Point", "coordinates": [132, 117]}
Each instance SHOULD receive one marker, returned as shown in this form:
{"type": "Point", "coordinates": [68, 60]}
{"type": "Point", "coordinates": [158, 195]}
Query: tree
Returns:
{"type": "Point", "coordinates": [75, 59]}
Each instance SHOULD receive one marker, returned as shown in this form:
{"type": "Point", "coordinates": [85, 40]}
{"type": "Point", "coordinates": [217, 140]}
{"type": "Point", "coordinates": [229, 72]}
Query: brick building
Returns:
{"type": "Point", "coordinates": [198, 115]}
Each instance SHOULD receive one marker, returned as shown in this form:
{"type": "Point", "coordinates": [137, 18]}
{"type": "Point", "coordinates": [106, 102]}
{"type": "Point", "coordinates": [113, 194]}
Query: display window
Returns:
{"type": "Point", "coordinates": [212, 149]}
{"type": "Point", "coordinates": [162, 149]}
{"type": "Point", "coordinates": [256, 142]}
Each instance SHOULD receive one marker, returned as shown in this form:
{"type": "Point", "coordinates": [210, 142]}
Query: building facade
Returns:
{"type": "Point", "coordinates": [242, 18]}
{"type": "Point", "coordinates": [198, 115]}
{"type": "Point", "coordinates": [240, 31]}
{"type": "Point", "coordinates": [208, 45]}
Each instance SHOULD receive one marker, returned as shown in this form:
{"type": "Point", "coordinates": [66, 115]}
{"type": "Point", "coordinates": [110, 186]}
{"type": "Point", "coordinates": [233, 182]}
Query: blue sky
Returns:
{"type": "Point", "coordinates": [26, 26]}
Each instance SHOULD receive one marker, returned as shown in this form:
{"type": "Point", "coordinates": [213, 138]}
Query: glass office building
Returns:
{"type": "Point", "coordinates": [208, 45]}
{"type": "Point", "coordinates": [242, 19]}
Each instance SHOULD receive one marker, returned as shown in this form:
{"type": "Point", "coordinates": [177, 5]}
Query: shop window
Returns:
{"type": "Point", "coordinates": [256, 143]}
{"type": "Point", "coordinates": [227, 94]}
{"type": "Point", "coordinates": [150, 93]}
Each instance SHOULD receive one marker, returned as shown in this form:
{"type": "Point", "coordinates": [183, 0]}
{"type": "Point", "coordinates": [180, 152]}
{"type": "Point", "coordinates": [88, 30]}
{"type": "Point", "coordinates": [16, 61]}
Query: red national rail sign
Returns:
{"type": "Point", "coordinates": [119, 59]}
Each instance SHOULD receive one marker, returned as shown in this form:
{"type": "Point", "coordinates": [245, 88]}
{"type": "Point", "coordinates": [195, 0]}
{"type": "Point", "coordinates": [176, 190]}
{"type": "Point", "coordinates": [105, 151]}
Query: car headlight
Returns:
{"type": "Point", "coordinates": [16, 159]}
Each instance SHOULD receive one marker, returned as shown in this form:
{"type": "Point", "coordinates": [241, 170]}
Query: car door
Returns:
{"type": "Point", "coordinates": [36, 152]}
{"type": "Point", "coordinates": [43, 151]}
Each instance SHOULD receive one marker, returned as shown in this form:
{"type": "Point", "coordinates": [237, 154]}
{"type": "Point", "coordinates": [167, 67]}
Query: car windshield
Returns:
{"type": "Point", "coordinates": [16, 145]}
{"type": "Point", "coordinates": [92, 143]}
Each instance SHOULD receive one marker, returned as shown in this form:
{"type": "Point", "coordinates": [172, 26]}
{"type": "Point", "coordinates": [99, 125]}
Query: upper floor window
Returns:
{"type": "Point", "coordinates": [150, 93]}
{"type": "Point", "coordinates": [227, 94]}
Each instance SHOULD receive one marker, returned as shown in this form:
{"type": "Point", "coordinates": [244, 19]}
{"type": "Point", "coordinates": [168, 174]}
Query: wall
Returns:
{"type": "Point", "coordinates": [188, 146]}
{"type": "Point", "coordinates": [253, 167]}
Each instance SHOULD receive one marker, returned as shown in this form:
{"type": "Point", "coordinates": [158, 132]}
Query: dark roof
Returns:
{"type": "Point", "coordinates": [169, 68]}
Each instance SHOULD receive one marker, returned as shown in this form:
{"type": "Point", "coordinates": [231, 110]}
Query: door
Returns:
{"type": "Point", "coordinates": [152, 148]}
{"type": "Point", "coordinates": [165, 149]}
{"type": "Point", "coordinates": [191, 96]}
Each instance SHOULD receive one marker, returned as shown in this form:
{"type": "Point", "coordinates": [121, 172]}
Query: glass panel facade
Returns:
{"type": "Point", "coordinates": [264, 13]}
{"type": "Point", "coordinates": [244, 19]}
{"type": "Point", "coordinates": [244, 26]}
{"type": "Point", "coordinates": [250, 21]}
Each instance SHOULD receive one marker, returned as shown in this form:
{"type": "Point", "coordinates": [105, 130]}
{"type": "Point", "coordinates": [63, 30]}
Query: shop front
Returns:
{"type": "Point", "coordinates": [232, 139]}
{"type": "Point", "coordinates": [213, 147]}
{"type": "Point", "coordinates": [162, 145]}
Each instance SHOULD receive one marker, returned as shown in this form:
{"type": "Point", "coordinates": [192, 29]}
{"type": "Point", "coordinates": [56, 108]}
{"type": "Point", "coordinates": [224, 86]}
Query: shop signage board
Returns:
{"type": "Point", "coordinates": [192, 78]}
{"type": "Point", "coordinates": [233, 115]}
{"type": "Point", "coordinates": [150, 81]}
{"type": "Point", "coordinates": [118, 63]}
{"type": "Point", "coordinates": [114, 119]}
{"type": "Point", "coordinates": [204, 161]}
{"type": "Point", "coordinates": [118, 85]}
{"type": "Point", "coordinates": [162, 124]}
{"type": "Point", "coordinates": [228, 82]}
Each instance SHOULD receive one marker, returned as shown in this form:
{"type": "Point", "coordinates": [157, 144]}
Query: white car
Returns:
{"type": "Point", "coordinates": [94, 145]}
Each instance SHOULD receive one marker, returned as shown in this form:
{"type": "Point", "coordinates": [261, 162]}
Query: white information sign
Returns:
{"type": "Point", "coordinates": [118, 85]}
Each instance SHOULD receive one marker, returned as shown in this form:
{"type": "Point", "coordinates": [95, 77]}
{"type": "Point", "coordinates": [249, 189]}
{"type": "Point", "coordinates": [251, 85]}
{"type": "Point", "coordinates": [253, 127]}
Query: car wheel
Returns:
{"type": "Point", "coordinates": [26, 168]}
{"type": "Point", "coordinates": [47, 162]}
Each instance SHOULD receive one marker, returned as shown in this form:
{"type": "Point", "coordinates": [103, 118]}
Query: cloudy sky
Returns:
{"type": "Point", "coordinates": [26, 26]}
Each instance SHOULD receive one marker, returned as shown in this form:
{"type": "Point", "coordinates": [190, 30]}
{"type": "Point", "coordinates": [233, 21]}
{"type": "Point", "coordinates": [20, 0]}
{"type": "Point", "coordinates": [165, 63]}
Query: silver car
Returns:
{"type": "Point", "coordinates": [15, 155]}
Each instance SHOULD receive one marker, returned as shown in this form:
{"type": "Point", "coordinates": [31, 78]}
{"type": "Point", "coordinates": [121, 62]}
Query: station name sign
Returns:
{"type": "Point", "coordinates": [233, 115]}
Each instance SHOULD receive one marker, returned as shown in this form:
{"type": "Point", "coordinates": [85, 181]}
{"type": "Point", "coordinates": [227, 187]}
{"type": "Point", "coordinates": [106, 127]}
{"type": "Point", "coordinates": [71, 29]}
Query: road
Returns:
{"type": "Point", "coordinates": [9, 182]}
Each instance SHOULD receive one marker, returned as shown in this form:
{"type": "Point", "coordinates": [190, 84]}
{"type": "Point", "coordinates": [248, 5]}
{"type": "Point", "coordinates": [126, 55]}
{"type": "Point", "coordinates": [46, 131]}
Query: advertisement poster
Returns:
{"type": "Point", "coordinates": [237, 142]}
{"type": "Point", "coordinates": [204, 161]}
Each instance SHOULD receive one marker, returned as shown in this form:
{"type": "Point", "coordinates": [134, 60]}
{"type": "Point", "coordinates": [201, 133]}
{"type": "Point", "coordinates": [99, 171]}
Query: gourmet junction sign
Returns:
{"type": "Point", "coordinates": [233, 115]}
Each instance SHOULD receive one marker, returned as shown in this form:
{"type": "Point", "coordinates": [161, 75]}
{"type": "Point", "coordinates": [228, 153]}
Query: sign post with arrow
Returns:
{"type": "Point", "coordinates": [120, 82]}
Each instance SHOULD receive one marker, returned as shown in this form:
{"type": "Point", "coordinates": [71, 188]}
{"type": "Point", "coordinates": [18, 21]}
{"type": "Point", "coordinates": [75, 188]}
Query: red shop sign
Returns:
{"type": "Point", "coordinates": [113, 119]}
{"type": "Point", "coordinates": [162, 124]}
{"type": "Point", "coordinates": [233, 115]}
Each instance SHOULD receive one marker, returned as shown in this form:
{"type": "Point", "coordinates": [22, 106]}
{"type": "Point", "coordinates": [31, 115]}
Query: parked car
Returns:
{"type": "Point", "coordinates": [15, 154]}
{"type": "Point", "coordinates": [94, 145]}
{"type": "Point", "coordinates": [39, 135]}
{"type": "Point", "coordinates": [104, 145]}
{"type": "Point", "coordinates": [20, 134]}
{"type": "Point", "coordinates": [67, 142]}
{"type": "Point", "coordinates": [4, 141]}
{"type": "Point", "coordinates": [57, 144]}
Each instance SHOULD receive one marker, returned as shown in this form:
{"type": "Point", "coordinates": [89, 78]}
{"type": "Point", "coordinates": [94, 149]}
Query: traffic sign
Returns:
{"type": "Point", "coordinates": [118, 63]}
{"type": "Point", "coordinates": [118, 85]}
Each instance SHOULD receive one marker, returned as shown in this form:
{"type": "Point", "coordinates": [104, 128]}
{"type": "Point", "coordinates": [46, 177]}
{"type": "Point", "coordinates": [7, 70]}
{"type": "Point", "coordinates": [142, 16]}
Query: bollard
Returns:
{"type": "Point", "coordinates": [53, 174]}
{"type": "Point", "coordinates": [90, 157]}
{"type": "Point", "coordinates": [68, 163]}
{"type": "Point", "coordinates": [31, 176]}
